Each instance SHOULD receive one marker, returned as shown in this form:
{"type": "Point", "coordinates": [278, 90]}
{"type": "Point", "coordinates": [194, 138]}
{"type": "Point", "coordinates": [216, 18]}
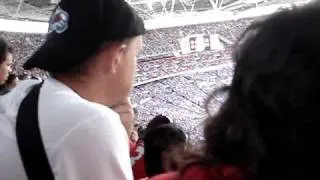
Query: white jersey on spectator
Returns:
{"type": "Point", "coordinates": [83, 140]}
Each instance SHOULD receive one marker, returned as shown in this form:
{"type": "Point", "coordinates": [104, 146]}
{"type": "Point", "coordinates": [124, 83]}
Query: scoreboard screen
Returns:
{"type": "Point", "coordinates": [201, 42]}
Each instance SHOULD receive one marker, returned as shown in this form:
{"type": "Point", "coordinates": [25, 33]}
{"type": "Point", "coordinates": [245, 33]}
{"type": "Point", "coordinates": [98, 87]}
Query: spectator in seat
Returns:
{"type": "Point", "coordinates": [90, 52]}
{"type": "Point", "coordinates": [23, 76]}
{"type": "Point", "coordinates": [137, 150]}
{"type": "Point", "coordinates": [6, 60]}
{"type": "Point", "coordinates": [134, 137]}
{"type": "Point", "coordinates": [267, 128]}
{"type": "Point", "coordinates": [157, 121]}
{"type": "Point", "coordinates": [10, 83]}
{"type": "Point", "coordinates": [133, 130]}
{"type": "Point", "coordinates": [140, 130]}
{"type": "Point", "coordinates": [134, 134]}
{"type": "Point", "coordinates": [159, 143]}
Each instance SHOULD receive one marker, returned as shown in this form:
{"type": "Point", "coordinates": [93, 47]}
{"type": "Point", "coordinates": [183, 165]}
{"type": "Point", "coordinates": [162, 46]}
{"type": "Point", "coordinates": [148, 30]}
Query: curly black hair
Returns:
{"type": "Point", "coordinates": [4, 50]}
{"type": "Point", "coordinates": [158, 121]}
{"type": "Point", "coordinates": [268, 122]}
{"type": "Point", "coordinates": [157, 141]}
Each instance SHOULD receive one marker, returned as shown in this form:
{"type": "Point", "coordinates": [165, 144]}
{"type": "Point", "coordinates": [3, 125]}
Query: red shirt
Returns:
{"type": "Point", "coordinates": [137, 160]}
{"type": "Point", "coordinates": [204, 173]}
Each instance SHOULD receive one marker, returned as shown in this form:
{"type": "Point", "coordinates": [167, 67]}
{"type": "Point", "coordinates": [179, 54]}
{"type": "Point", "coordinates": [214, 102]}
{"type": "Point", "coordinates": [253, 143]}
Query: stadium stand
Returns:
{"type": "Point", "coordinates": [165, 83]}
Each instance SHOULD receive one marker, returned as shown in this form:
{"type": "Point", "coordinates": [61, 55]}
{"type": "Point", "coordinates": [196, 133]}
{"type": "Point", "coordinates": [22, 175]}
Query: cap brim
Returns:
{"type": "Point", "coordinates": [60, 53]}
{"type": "Point", "coordinates": [48, 55]}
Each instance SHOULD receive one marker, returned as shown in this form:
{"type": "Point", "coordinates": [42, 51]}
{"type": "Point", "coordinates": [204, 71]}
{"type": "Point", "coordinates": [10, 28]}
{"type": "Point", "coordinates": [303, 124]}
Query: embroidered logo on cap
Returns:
{"type": "Point", "coordinates": [59, 21]}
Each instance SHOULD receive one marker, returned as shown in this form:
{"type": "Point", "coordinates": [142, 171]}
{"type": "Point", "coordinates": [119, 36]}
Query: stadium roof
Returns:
{"type": "Point", "coordinates": [30, 16]}
{"type": "Point", "coordinates": [39, 10]}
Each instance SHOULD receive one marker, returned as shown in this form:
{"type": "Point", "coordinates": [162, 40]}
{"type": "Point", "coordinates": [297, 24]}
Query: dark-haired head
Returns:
{"type": "Point", "coordinates": [23, 76]}
{"type": "Point", "coordinates": [158, 143]}
{"type": "Point", "coordinates": [268, 122]}
{"type": "Point", "coordinates": [5, 60]}
{"type": "Point", "coordinates": [158, 121]}
{"type": "Point", "coordinates": [4, 50]}
{"type": "Point", "coordinates": [11, 82]}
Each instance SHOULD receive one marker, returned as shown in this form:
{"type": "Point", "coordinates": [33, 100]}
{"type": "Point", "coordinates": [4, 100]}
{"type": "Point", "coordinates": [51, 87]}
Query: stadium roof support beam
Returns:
{"type": "Point", "coordinates": [143, 12]}
{"type": "Point", "coordinates": [184, 6]}
{"type": "Point", "coordinates": [220, 3]}
{"type": "Point", "coordinates": [145, 2]}
{"type": "Point", "coordinates": [161, 22]}
{"type": "Point", "coordinates": [149, 4]}
{"type": "Point", "coordinates": [39, 3]}
{"type": "Point", "coordinates": [233, 5]}
{"type": "Point", "coordinates": [213, 4]}
{"type": "Point", "coordinates": [19, 7]}
{"type": "Point", "coordinates": [172, 6]}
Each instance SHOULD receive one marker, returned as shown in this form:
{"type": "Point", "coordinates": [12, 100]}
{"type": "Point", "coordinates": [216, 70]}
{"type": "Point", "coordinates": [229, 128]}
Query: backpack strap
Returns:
{"type": "Point", "coordinates": [30, 144]}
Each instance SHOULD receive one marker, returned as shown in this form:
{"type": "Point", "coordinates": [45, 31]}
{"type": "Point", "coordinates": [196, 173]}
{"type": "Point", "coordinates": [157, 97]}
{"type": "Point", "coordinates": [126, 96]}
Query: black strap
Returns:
{"type": "Point", "coordinates": [31, 148]}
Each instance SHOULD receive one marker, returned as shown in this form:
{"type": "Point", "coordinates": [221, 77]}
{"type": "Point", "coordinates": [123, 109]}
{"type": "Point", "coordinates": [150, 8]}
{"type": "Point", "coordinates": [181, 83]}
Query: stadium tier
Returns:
{"type": "Point", "coordinates": [168, 81]}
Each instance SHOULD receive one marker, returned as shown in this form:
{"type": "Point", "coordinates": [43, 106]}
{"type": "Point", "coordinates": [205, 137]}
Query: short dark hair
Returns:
{"type": "Point", "coordinates": [158, 140]}
{"type": "Point", "coordinates": [23, 76]}
{"type": "Point", "coordinates": [4, 50]}
{"type": "Point", "coordinates": [158, 121]}
{"type": "Point", "coordinates": [11, 78]}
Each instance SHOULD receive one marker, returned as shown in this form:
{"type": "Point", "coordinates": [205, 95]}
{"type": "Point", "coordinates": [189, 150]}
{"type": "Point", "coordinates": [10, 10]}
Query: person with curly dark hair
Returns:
{"type": "Point", "coordinates": [6, 60]}
{"type": "Point", "coordinates": [151, 134]}
{"type": "Point", "coordinates": [267, 129]}
{"type": "Point", "coordinates": [159, 143]}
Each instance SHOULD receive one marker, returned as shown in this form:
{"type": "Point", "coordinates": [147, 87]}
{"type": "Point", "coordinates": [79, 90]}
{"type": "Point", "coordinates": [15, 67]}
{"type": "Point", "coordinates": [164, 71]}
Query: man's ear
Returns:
{"type": "Point", "coordinates": [118, 57]}
{"type": "Point", "coordinates": [112, 57]}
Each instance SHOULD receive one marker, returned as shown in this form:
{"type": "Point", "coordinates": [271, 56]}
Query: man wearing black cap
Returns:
{"type": "Point", "coordinates": [90, 53]}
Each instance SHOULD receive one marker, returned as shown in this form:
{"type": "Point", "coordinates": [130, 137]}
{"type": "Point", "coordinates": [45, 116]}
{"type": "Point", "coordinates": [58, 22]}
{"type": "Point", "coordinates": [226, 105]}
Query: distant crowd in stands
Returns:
{"type": "Point", "coordinates": [266, 128]}
{"type": "Point", "coordinates": [159, 44]}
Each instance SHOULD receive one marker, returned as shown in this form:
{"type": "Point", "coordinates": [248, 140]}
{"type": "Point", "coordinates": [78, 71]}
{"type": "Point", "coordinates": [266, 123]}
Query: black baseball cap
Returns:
{"type": "Point", "coordinates": [79, 28]}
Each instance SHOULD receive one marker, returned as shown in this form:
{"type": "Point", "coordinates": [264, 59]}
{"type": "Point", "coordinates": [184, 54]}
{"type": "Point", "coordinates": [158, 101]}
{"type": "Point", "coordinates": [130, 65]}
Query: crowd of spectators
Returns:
{"type": "Point", "coordinates": [181, 98]}
{"type": "Point", "coordinates": [207, 115]}
{"type": "Point", "coordinates": [166, 41]}
{"type": "Point", "coordinates": [159, 45]}
{"type": "Point", "coordinates": [182, 93]}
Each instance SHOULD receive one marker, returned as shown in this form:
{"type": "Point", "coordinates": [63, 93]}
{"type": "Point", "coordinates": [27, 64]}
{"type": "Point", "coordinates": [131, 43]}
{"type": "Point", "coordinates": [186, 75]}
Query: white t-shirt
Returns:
{"type": "Point", "coordinates": [83, 140]}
